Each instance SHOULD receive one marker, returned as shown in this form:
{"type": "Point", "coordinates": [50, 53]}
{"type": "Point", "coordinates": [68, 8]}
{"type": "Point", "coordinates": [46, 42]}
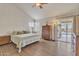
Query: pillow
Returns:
{"type": "Point", "coordinates": [20, 32]}
{"type": "Point", "coordinates": [25, 32]}
{"type": "Point", "coordinates": [14, 33]}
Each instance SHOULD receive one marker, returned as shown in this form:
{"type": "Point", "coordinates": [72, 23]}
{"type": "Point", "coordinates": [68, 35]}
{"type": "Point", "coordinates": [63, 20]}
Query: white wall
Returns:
{"type": "Point", "coordinates": [12, 18]}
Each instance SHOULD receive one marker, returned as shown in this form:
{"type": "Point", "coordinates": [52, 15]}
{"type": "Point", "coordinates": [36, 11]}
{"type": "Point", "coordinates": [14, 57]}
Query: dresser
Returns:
{"type": "Point", "coordinates": [4, 39]}
{"type": "Point", "coordinates": [47, 32]}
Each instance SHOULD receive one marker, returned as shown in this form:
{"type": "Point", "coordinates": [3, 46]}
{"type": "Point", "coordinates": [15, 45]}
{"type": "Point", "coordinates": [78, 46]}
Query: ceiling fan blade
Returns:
{"type": "Point", "coordinates": [45, 3]}
{"type": "Point", "coordinates": [33, 5]}
{"type": "Point", "coordinates": [41, 7]}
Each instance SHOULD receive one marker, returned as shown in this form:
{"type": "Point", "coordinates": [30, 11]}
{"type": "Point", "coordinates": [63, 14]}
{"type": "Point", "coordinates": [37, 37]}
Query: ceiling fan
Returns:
{"type": "Point", "coordinates": [39, 5]}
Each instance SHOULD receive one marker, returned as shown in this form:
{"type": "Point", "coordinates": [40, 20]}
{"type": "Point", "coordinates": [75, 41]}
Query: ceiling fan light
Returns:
{"type": "Point", "coordinates": [38, 4]}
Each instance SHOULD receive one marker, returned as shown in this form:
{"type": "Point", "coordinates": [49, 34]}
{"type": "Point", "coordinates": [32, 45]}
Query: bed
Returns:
{"type": "Point", "coordinates": [22, 40]}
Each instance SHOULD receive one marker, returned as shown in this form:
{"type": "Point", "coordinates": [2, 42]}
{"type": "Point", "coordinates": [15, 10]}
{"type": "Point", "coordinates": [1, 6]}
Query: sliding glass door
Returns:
{"type": "Point", "coordinates": [64, 31]}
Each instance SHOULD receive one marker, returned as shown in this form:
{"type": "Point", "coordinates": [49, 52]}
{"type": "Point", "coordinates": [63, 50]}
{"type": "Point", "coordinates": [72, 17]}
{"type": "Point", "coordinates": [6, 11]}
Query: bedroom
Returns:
{"type": "Point", "coordinates": [18, 19]}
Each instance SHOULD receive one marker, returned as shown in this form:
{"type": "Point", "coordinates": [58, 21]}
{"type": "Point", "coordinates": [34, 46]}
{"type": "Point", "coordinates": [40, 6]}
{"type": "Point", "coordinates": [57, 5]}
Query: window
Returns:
{"type": "Point", "coordinates": [34, 26]}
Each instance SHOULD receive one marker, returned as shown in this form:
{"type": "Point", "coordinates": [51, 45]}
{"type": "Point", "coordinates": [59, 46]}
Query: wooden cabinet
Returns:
{"type": "Point", "coordinates": [4, 39]}
{"type": "Point", "coordinates": [47, 32]}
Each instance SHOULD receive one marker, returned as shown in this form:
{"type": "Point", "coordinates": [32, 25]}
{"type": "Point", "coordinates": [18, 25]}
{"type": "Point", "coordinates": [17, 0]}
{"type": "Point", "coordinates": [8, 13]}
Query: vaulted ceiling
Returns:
{"type": "Point", "coordinates": [50, 10]}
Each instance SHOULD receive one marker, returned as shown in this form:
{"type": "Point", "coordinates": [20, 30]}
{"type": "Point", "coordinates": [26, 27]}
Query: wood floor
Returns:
{"type": "Point", "coordinates": [41, 48]}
